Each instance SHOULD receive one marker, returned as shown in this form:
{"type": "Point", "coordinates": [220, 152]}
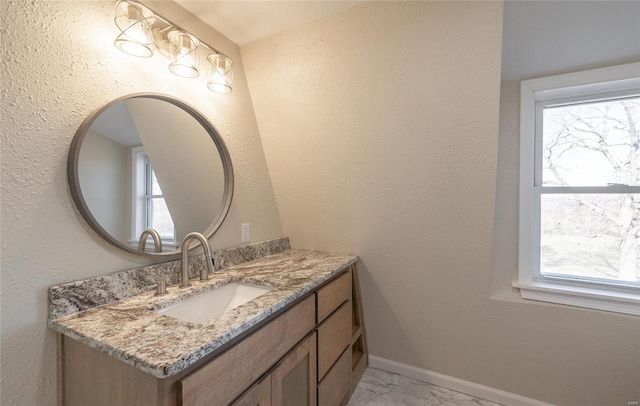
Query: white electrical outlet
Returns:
{"type": "Point", "coordinates": [245, 232]}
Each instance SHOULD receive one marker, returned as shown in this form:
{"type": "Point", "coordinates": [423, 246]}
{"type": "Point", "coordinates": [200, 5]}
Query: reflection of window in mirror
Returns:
{"type": "Point", "coordinates": [149, 208]}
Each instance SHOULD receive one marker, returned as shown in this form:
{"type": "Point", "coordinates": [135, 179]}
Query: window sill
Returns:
{"type": "Point", "coordinates": [601, 299]}
{"type": "Point", "coordinates": [165, 245]}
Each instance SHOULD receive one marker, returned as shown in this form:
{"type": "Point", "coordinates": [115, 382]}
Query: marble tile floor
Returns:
{"type": "Point", "coordinates": [382, 388]}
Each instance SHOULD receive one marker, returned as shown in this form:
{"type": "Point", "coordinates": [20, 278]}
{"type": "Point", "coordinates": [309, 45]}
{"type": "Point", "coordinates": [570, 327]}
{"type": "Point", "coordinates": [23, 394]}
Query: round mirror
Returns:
{"type": "Point", "coordinates": [150, 162]}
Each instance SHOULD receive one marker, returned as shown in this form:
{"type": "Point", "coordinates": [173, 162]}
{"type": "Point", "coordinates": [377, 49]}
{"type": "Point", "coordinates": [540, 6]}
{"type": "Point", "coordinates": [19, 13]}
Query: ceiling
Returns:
{"type": "Point", "coordinates": [540, 37]}
{"type": "Point", "coordinates": [550, 37]}
{"type": "Point", "coordinates": [246, 21]}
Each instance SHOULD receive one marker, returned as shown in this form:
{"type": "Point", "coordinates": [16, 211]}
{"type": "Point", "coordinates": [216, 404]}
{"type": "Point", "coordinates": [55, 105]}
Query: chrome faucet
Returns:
{"type": "Point", "coordinates": [157, 241]}
{"type": "Point", "coordinates": [204, 273]}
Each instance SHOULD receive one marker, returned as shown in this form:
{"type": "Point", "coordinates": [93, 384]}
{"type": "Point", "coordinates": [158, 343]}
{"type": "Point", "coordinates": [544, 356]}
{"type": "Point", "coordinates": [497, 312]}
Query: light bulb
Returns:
{"type": "Point", "coordinates": [220, 73]}
{"type": "Point", "coordinates": [183, 50]}
{"type": "Point", "coordinates": [134, 22]}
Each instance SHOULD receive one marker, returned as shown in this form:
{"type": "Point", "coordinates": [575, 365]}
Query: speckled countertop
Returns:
{"type": "Point", "coordinates": [131, 331]}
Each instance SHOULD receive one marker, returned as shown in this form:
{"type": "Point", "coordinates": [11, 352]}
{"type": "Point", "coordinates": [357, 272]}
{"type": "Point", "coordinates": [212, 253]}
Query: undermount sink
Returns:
{"type": "Point", "coordinates": [212, 304]}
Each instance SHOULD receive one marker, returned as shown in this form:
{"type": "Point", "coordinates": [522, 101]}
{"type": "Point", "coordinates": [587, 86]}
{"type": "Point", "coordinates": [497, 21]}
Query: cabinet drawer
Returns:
{"type": "Point", "coordinates": [227, 376]}
{"type": "Point", "coordinates": [334, 335]}
{"type": "Point", "coordinates": [333, 295]}
{"type": "Point", "coordinates": [333, 389]}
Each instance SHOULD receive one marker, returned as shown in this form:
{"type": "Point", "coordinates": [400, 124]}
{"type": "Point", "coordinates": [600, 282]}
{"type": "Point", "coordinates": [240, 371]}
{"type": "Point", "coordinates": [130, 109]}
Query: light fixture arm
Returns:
{"type": "Point", "coordinates": [170, 24]}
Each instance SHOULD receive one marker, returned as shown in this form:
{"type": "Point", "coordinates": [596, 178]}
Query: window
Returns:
{"type": "Point", "coordinates": [580, 189]}
{"type": "Point", "coordinates": [158, 216]}
{"type": "Point", "coordinates": [149, 208]}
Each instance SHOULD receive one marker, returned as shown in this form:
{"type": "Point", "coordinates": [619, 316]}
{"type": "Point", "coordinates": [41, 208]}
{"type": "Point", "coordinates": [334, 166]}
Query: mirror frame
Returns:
{"type": "Point", "coordinates": [74, 178]}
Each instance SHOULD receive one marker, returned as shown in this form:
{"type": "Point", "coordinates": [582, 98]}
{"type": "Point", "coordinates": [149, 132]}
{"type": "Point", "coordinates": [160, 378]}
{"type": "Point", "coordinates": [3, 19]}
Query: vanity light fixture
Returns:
{"type": "Point", "coordinates": [185, 57]}
{"type": "Point", "coordinates": [142, 31]}
{"type": "Point", "coordinates": [220, 73]}
{"type": "Point", "coordinates": [134, 22]}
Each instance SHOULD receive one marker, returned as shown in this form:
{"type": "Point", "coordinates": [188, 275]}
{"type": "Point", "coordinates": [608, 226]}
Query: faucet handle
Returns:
{"type": "Point", "coordinates": [162, 286]}
{"type": "Point", "coordinates": [209, 267]}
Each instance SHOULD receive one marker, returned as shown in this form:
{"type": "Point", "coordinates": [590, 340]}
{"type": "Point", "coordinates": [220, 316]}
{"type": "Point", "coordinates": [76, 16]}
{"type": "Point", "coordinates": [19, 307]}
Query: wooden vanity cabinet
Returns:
{"type": "Point", "coordinates": [292, 382]}
{"type": "Point", "coordinates": [333, 315]}
{"type": "Point", "coordinates": [302, 380]}
{"type": "Point", "coordinates": [302, 357]}
{"type": "Point", "coordinates": [221, 380]}
{"type": "Point", "coordinates": [342, 343]}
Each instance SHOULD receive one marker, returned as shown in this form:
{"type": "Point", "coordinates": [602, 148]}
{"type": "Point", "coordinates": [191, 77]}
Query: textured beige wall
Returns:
{"type": "Point", "coordinates": [58, 64]}
{"type": "Point", "coordinates": [105, 182]}
{"type": "Point", "coordinates": [380, 128]}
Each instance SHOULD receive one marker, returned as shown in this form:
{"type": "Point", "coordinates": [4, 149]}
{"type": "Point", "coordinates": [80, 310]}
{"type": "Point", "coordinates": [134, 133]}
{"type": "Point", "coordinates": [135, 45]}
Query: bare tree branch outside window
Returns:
{"type": "Point", "coordinates": [591, 234]}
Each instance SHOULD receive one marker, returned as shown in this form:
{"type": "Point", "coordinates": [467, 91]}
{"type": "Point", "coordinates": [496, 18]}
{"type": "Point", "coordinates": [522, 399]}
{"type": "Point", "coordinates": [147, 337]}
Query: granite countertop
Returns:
{"type": "Point", "coordinates": [162, 346]}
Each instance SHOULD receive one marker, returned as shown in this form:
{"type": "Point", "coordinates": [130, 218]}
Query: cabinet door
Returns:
{"type": "Point", "coordinates": [258, 395]}
{"type": "Point", "coordinates": [293, 383]}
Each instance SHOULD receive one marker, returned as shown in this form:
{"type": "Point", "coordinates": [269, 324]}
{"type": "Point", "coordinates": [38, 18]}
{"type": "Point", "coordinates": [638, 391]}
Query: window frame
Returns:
{"type": "Point", "coordinates": [535, 94]}
{"type": "Point", "coordinates": [149, 197]}
{"type": "Point", "coordinates": [141, 196]}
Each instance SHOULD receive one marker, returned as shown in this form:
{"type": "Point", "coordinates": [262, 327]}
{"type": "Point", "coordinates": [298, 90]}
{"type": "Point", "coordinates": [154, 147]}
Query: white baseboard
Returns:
{"type": "Point", "coordinates": [449, 382]}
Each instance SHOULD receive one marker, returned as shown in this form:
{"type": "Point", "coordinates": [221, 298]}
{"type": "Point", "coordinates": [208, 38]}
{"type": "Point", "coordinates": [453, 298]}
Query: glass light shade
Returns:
{"type": "Point", "coordinates": [185, 57]}
{"type": "Point", "coordinates": [134, 22]}
{"type": "Point", "coordinates": [220, 73]}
